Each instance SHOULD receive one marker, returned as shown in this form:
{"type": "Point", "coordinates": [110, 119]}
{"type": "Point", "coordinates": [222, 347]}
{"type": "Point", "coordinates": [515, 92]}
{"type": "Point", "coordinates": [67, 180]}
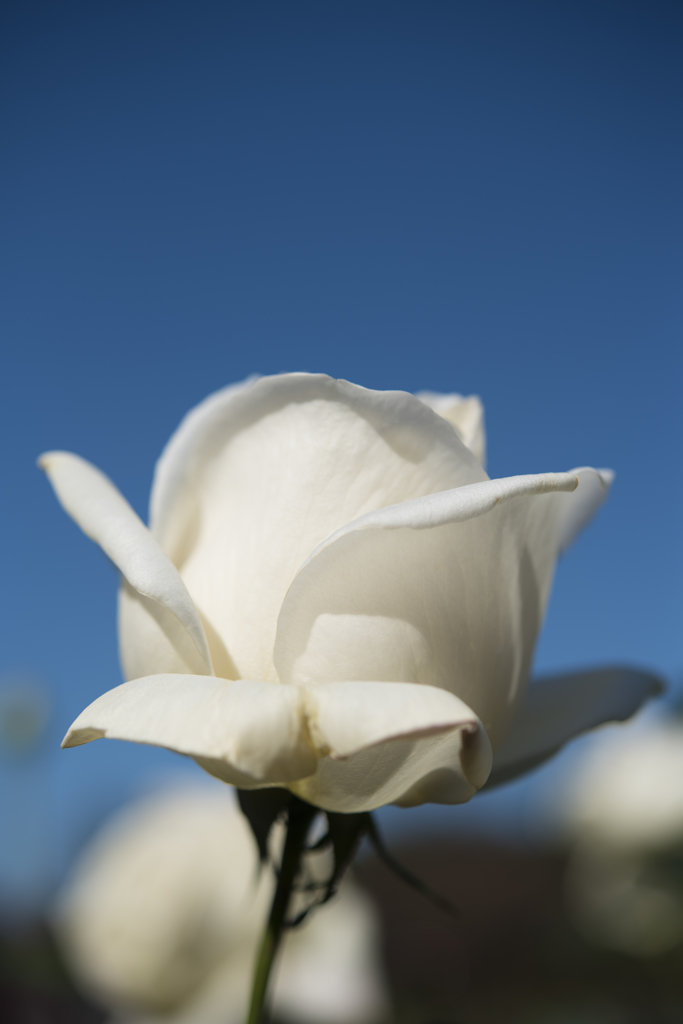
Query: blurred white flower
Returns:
{"type": "Point", "coordinates": [625, 880]}
{"type": "Point", "coordinates": [161, 917]}
{"type": "Point", "coordinates": [334, 597]}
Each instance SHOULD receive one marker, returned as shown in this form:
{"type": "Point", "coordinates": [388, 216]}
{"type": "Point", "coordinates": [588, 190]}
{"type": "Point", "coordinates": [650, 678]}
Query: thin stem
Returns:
{"type": "Point", "coordinates": [299, 817]}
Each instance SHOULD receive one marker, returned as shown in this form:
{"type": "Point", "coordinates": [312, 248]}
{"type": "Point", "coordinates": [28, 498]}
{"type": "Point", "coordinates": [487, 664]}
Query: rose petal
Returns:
{"type": "Point", "coordinates": [447, 590]}
{"type": "Point", "coordinates": [558, 708]}
{"type": "Point", "coordinates": [178, 471]}
{"type": "Point", "coordinates": [466, 414]}
{"type": "Point", "coordinates": [101, 511]}
{"type": "Point", "coordinates": [256, 478]}
{"type": "Point", "coordinates": [152, 640]}
{"type": "Point", "coordinates": [392, 743]}
{"type": "Point", "coordinates": [345, 718]}
{"type": "Point", "coordinates": [245, 732]}
{"type": "Point", "coordinates": [577, 510]}
{"type": "Point", "coordinates": [405, 772]}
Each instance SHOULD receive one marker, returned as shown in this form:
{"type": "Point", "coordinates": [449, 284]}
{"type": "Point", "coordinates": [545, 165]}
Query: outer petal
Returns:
{"type": "Point", "coordinates": [244, 732]}
{"type": "Point", "coordinates": [165, 613]}
{"type": "Point", "coordinates": [345, 718]}
{"type": "Point", "coordinates": [559, 708]}
{"type": "Point", "coordinates": [466, 414]}
{"type": "Point", "coordinates": [256, 478]}
{"type": "Point", "coordinates": [151, 638]}
{"type": "Point", "coordinates": [577, 511]}
{"type": "Point", "coordinates": [392, 743]}
{"type": "Point", "coordinates": [179, 469]}
{"type": "Point", "coordinates": [447, 590]}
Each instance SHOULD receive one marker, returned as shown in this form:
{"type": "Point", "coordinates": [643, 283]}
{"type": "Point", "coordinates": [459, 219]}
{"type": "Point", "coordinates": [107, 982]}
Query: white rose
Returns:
{"type": "Point", "coordinates": [159, 921]}
{"type": "Point", "coordinates": [332, 596]}
{"type": "Point", "coordinates": [626, 819]}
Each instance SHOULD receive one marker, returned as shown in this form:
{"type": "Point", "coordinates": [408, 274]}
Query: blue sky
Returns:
{"type": "Point", "coordinates": [475, 196]}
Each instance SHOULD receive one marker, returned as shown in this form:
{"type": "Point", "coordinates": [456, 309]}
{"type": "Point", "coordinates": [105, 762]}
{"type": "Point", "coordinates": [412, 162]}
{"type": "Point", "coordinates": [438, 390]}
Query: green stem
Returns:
{"type": "Point", "coordinates": [299, 817]}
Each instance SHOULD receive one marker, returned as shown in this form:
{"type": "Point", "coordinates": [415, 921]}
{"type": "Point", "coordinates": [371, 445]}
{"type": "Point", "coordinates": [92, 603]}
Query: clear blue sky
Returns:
{"type": "Point", "coordinates": [482, 196]}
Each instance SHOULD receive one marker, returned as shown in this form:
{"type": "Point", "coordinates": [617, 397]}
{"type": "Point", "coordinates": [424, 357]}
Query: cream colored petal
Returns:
{"type": "Point", "coordinates": [244, 732]}
{"type": "Point", "coordinates": [345, 718]}
{"type": "Point", "coordinates": [577, 509]}
{"type": "Point", "coordinates": [447, 590]}
{"type": "Point", "coordinates": [392, 743]}
{"type": "Point", "coordinates": [179, 469]}
{"type": "Point", "coordinates": [559, 708]}
{"type": "Point", "coordinates": [405, 772]}
{"type": "Point", "coordinates": [256, 478]}
{"type": "Point", "coordinates": [151, 639]}
{"type": "Point", "coordinates": [104, 515]}
{"type": "Point", "coordinates": [465, 413]}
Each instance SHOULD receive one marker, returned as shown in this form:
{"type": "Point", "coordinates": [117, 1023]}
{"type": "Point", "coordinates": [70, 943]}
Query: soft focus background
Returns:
{"type": "Point", "coordinates": [474, 195]}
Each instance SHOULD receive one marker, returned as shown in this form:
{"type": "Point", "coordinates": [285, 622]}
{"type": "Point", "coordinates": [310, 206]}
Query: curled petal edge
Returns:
{"type": "Point", "coordinates": [453, 506]}
{"type": "Point", "coordinates": [577, 512]}
{"type": "Point", "coordinates": [421, 515]}
{"type": "Point", "coordinates": [255, 728]}
{"type": "Point", "coordinates": [403, 743]}
{"type": "Point", "coordinates": [346, 718]}
{"type": "Point", "coordinates": [253, 733]}
{"type": "Point", "coordinates": [104, 515]}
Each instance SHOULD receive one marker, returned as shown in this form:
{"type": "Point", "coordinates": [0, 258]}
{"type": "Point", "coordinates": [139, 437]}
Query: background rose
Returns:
{"type": "Point", "coordinates": [307, 531]}
{"type": "Point", "coordinates": [160, 918]}
{"type": "Point", "coordinates": [625, 880]}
